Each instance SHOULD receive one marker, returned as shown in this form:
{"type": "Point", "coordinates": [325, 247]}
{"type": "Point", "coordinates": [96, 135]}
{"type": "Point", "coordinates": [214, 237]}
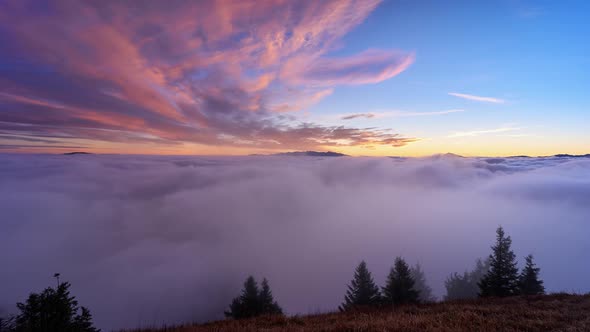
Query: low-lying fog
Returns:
{"type": "Point", "coordinates": [151, 240]}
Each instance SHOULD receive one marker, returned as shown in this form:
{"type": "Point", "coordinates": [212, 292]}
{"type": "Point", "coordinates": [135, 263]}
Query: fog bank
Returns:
{"type": "Point", "coordinates": [147, 240]}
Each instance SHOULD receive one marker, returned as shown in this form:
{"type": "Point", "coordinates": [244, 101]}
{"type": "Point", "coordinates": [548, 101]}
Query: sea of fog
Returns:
{"type": "Point", "coordinates": [149, 240]}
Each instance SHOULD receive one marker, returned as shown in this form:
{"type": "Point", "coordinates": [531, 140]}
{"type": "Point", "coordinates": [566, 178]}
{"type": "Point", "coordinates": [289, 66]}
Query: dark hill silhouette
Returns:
{"type": "Point", "coordinates": [75, 153]}
{"type": "Point", "coordinates": [312, 154]}
{"type": "Point", "coordinates": [565, 155]}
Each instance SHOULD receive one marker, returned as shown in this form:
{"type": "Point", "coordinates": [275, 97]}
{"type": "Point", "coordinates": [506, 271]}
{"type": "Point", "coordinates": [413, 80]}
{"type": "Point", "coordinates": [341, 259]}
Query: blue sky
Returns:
{"type": "Point", "coordinates": [531, 54]}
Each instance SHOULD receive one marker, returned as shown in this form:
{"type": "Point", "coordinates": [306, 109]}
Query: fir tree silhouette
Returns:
{"type": "Point", "coordinates": [458, 286]}
{"type": "Point", "coordinates": [269, 305]}
{"type": "Point", "coordinates": [502, 277]}
{"type": "Point", "coordinates": [254, 302]}
{"type": "Point", "coordinates": [466, 286]}
{"type": "Point", "coordinates": [247, 304]}
{"type": "Point", "coordinates": [399, 286]}
{"type": "Point", "coordinates": [528, 281]}
{"type": "Point", "coordinates": [420, 284]}
{"type": "Point", "coordinates": [53, 310]}
{"type": "Point", "coordinates": [362, 290]}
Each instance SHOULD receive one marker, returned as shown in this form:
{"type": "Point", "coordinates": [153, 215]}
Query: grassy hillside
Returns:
{"type": "Point", "coordinates": [559, 312]}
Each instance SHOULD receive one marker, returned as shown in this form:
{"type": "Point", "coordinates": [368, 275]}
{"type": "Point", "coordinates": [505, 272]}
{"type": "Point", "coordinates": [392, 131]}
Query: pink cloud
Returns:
{"type": "Point", "coordinates": [188, 72]}
{"type": "Point", "coordinates": [364, 68]}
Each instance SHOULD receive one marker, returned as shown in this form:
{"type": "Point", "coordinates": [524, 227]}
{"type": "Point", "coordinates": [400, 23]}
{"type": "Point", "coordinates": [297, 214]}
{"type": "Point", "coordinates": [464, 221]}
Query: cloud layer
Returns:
{"type": "Point", "coordinates": [209, 72]}
{"type": "Point", "coordinates": [152, 240]}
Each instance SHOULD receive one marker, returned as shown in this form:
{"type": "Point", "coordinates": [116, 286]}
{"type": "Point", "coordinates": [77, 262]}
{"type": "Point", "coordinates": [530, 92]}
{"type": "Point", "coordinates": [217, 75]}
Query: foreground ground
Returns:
{"type": "Point", "coordinates": [560, 312]}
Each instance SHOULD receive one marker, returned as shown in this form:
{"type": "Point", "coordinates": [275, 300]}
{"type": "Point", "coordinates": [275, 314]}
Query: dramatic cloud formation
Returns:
{"type": "Point", "coordinates": [182, 72]}
{"type": "Point", "coordinates": [477, 98]}
{"type": "Point", "coordinates": [152, 240]}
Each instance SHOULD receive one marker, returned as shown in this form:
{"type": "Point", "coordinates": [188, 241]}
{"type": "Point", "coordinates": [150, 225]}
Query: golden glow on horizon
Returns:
{"type": "Point", "coordinates": [471, 146]}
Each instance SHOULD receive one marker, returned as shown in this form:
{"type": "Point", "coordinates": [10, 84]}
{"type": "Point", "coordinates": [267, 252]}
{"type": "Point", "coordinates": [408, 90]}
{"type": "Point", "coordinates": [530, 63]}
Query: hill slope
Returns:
{"type": "Point", "coordinates": [559, 312]}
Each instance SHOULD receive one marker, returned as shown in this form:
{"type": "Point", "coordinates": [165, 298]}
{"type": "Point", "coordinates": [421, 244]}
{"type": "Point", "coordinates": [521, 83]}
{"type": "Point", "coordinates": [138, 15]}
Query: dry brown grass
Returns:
{"type": "Point", "coordinates": [558, 312]}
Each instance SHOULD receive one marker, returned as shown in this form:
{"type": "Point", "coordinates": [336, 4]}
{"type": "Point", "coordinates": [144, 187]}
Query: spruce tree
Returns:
{"type": "Point", "coordinates": [458, 287]}
{"type": "Point", "coordinates": [83, 322]}
{"type": "Point", "coordinates": [480, 270]}
{"type": "Point", "coordinates": [268, 305]}
{"type": "Point", "coordinates": [502, 277]}
{"type": "Point", "coordinates": [466, 286]}
{"type": "Point", "coordinates": [248, 303]}
{"type": "Point", "coordinates": [254, 302]}
{"type": "Point", "coordinates": [399, 287]}
{"type": "Point", "coordinates": [528, 281]}
{"type": "Point", "coordinates": [53, 310]}
{"type": "Point", "coordinates": [362, 290]}
{"type": "Point", "coordinates": [420, 284]}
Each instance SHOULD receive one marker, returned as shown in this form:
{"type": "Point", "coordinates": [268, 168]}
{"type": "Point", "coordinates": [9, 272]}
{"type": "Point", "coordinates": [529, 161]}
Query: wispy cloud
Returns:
{"type": "Point", "coordinates": [506, 128]}
{"type": "Point", "coordinates": [477, 98]}
{"type": "Point", "coordinates": [393, 114]}
{"type": "Point", "coordinates": [196, 72]}
{"type": "Point", "coordinates": [409, 114]}
{"type": "Point", "coordinates": [368, 67]}
{"type": "Point", "coordinates": [359, 115]}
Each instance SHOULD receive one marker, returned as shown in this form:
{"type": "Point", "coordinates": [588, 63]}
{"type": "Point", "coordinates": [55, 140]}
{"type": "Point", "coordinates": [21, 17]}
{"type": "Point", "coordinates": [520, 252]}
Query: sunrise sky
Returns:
{"type": "Point", "coordinates": [410, 78]}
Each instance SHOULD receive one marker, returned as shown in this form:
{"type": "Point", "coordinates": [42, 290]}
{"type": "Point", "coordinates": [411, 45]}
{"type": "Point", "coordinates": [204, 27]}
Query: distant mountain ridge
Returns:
{"type": "Point", "coordinates": [337, 154]}
{"type": "Point", "coordinates": [311, 154]}
{"type": "Point", "coordinates": [75, 153]}
{"type": "Point", "coordinates": [561, 155]}
{"type": "Point", "coordinates": [565, 155]}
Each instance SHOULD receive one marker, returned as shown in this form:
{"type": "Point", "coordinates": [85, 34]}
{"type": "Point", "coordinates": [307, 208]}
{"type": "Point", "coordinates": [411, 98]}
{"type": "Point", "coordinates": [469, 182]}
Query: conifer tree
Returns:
{"type": "Point", "coordinates": [465, 286]}
{"type": "Point", "coordinates": [83, 322]}
{"type": "Point", "coordinates": [267, 302]}
{"type": "Point", "coordinates": [420, 284]}
{"type": "Point", "coordinates": [502, 277]}
{"type": "Point", "coordinates": [528, 281]}
{"type": "Point", "coordinates": [53, 310]}
{"type": "Point", "coordinates": [480, 270]}
{"type": "Point", "coordinates": [254, 302]}
{"type": "Point", "coordinates": [248, 303]}
{"type": "Point", "coordinates": [458, 287]}
{"type": "Point", "coordinates": [399, 287]}
{"type": "Point", "coordinates": [362, 290]}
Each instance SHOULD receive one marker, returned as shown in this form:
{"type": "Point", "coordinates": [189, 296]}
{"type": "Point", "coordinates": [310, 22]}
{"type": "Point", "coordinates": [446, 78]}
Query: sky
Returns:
{"type": "Point", "coordinates": [162, 240]}
{"type": "Point", "coordinates": [365, 77]}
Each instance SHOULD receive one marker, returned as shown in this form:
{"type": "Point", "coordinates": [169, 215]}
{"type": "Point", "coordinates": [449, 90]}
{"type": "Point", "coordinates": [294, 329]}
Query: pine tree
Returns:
{"type": "Point", "coordinates": [267, 302]}
{"type": "Point", "coordinates": [458, 287]}
{"type": "Point", "coordinates": [248, 303]}
{"type": "Point", "coordinates": [362, 290]}
{"type": "Point", "coordinates": [53, 310]}
{"type": "Point", "coordinates": [420, 284]}
{"type": "Point", "coordinates": [399, 287]}
{"type": "Point", "coordinates": [528, 281]}
{"type": "Point", "coordinates": [502, 277]}
{"type": "Point", "coordinates": [83, 322]}
{"type": "Point", "coordinates": [480, 270]}
{"type": "Point", "coordinates": [465, 286]}
{"type": "Point", "coordinates": [254, 302]}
